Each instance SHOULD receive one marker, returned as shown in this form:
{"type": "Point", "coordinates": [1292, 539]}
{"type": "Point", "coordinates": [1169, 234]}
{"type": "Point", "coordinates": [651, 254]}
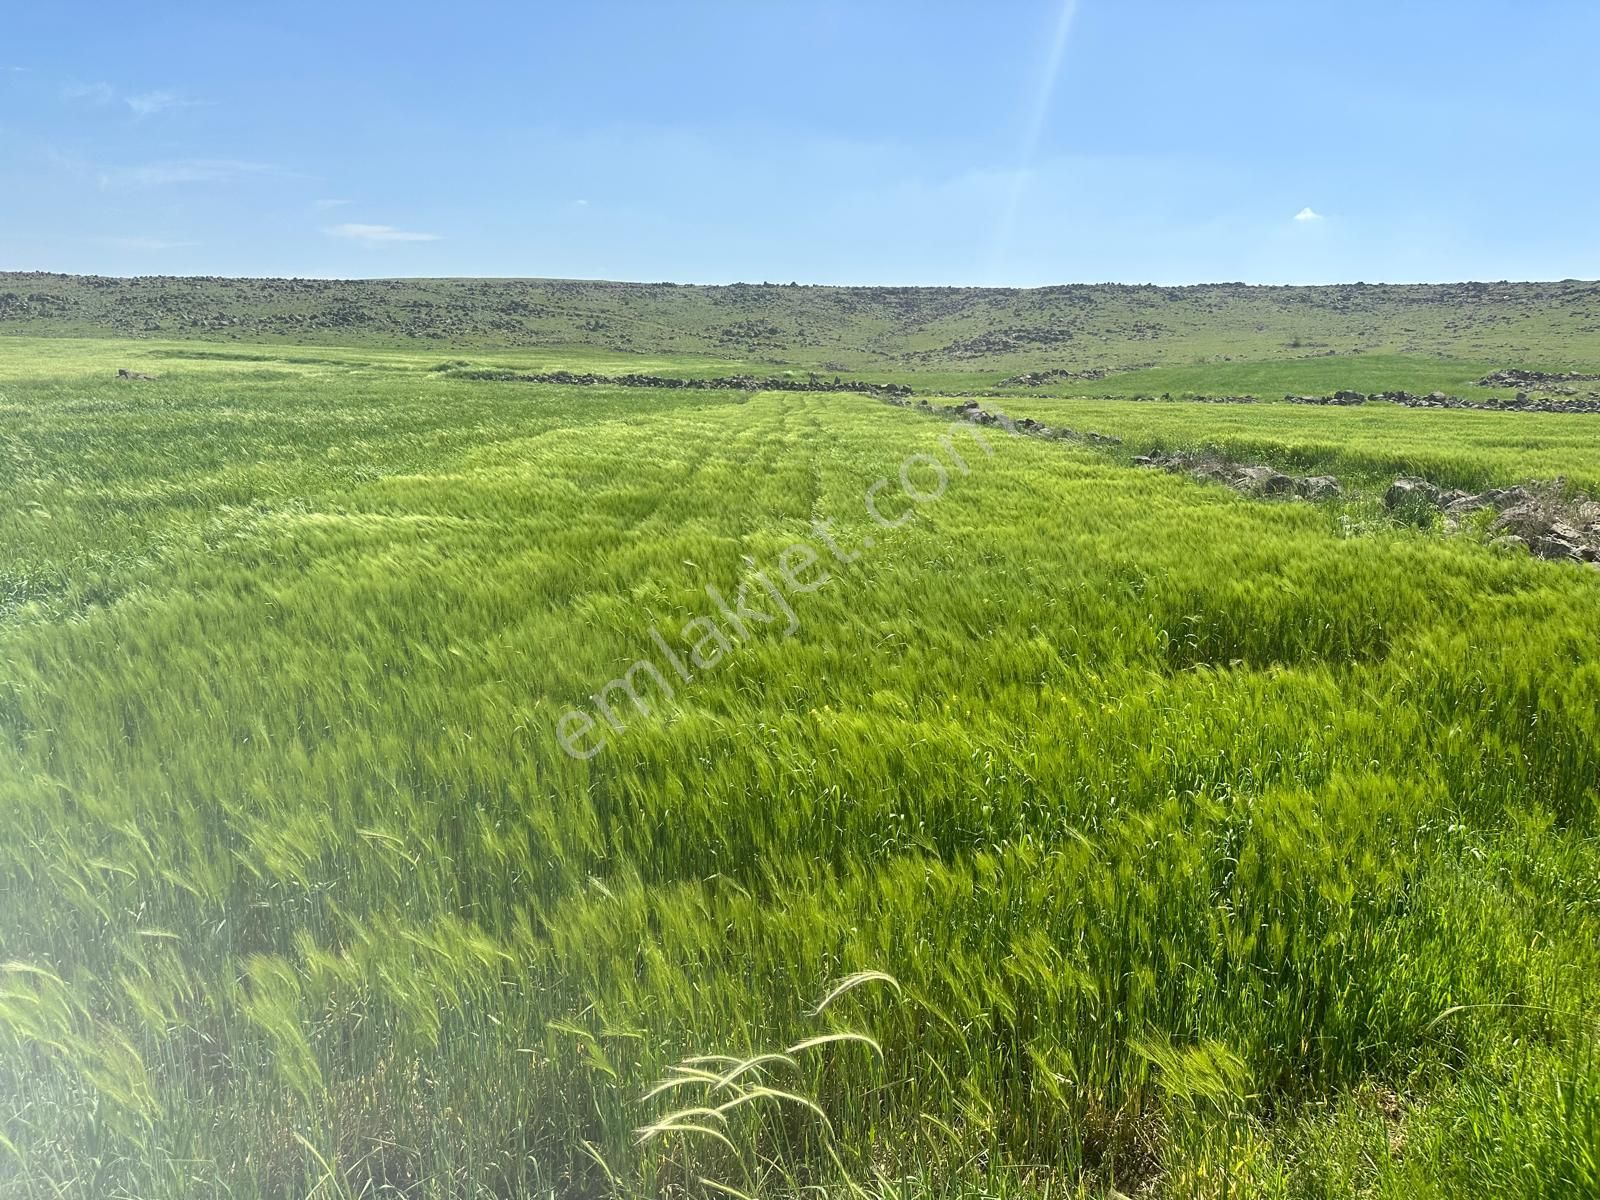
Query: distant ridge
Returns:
{"type": "Point", "coordinates": [1067, 327]}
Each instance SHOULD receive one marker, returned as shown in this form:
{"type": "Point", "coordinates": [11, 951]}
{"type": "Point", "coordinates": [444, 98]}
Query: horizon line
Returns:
{"type": "Point", "coordinates": [796, 284]}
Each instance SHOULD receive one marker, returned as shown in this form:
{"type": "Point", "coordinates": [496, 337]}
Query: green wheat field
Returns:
{"type": "Point", "coordinates": [1036, 826]}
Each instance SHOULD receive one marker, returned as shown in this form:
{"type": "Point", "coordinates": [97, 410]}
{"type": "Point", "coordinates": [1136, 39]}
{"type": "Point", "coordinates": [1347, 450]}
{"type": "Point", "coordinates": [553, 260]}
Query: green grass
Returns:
{"type": "Point", "coordinates": [1319, 376]}
{"type": "Point", "coordinates": [1213, 848]}
{"type": "Point", "coordinates": [1367, 445]}
{"type": "Point", "coordinates": [96, 360]}
{"type": "Point", "coordinates": [946, 337]}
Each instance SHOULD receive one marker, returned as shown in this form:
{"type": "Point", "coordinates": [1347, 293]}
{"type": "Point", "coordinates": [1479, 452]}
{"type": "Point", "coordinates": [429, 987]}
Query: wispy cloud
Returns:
{"type": "Point", "coordinates": [324, 205]}
{"type": "Point", "coordinates": [147, 104]}
{"type": "Point", "coordinates": [162, 173]}
{"type": "Point", "coordinates": [141, 104]}
{"type": "Point", "coordinates": [89, 93]}
{"type": "Point", "coordinates": [374, 235]}
{"type": "Point", "coordinates": [178, 171]}
{"type": "Point", "coordinates": [1308, 214]}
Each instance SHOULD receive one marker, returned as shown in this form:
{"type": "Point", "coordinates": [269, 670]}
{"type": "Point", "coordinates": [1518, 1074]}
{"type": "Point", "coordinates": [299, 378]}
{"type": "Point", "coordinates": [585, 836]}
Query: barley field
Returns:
{"type": "Point", "coordinates": [419, 786]}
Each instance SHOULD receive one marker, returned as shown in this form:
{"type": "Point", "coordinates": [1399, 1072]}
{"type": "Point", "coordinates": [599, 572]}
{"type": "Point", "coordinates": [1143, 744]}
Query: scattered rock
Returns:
{"type": "Point", "coordinates": [1558, 549]}
{"type": "Point", "coordinates": [1524, 522]}
{"type": "Point", "coordinates": [1541, 519]}
{"type": "Point", "coordinates": [1318, 487]}
{"type": "Point", "coordinates": [1041, 378]}
{"type": "Point", "coordinates": [1544, 534]}
{"type": "Point", "coordinates": [1339, 398]}
{"type": "Point", "coordinates": [734, 383]}
{"type": "Point", "coordinates": [1410, 490]}
{"type": "Point", "coordinates": [1499, 499]}
{"type": "Point", "coordinates": [1263, 481]}
{"type": "Point", "coordinates": [971, 410]}
{"type": "Point", "coordinates": [1192, 398]}
{"type": "Point", "coordinates": [1512, 378]}
{"type": "Point", "coordinates": [1522, 403]}
{"type": "Point", "coordinates": [1251, 479]}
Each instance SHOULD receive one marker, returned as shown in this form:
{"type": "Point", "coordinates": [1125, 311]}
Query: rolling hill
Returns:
{"type": "Point", "coordinates": [908, 331]}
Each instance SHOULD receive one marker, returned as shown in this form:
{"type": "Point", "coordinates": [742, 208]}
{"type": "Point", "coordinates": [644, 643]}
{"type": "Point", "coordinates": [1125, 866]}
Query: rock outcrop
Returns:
{"type": "Point", "coordinates": [1512, 378]}
{"type": "Point", "coordinates": [728, 383]}
{"type": "Point", "coordinates": [971, 410]}
{"type": "Point", "coordinates": [1522, 403]}
{"type": "Point", "coordinates": [1542, 518]}
{"type": "Point", "coordinates": [1250, 479]}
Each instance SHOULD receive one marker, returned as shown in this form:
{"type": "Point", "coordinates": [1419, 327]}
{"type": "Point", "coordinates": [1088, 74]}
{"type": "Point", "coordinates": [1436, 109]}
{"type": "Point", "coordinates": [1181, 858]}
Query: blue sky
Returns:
{"type": "Point", "coordinates": [864, 142]}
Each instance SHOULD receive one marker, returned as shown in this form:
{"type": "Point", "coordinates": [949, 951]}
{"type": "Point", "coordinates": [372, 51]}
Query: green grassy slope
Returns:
{"type": "Point", "coordinates": [1370, 444]}
{"type": "Point", "coordinates": [1215, 849]}
{"type": "Point", "coordinates": [1269, 378]}
{"type": "Point", "coordinates": [909, 330]}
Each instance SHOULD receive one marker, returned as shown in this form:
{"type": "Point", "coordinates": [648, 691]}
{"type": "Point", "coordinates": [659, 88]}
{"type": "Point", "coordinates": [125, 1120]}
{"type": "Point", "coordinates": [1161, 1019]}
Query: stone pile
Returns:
{"type": "Point", "coordinates": [1042, 378]}
{"type": "Point", "coordinates": [1336, 399]}
{"type": "Point", "coordinates": [1250, 479]}
{"type": "Point", "coordinates": [1512, 378]}
{"type": "Point", "coordinates": [1522, 403]}
{"type": "Point", "coordinates": [1538, 518]}
{"type": "Point", "coordinates": [1191, 398]}
{"type": "Point", "coordinates": [729, 383]}
{"type": "Point", "coordinates": [971, 410]}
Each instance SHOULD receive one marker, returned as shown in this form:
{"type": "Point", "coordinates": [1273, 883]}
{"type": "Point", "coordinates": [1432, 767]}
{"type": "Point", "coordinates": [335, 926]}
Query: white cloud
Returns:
{"type": "Point", "coordinates": [90, 93]}
{"type": "Point", "coordinates": [147, 104]}
{"type": "Point", "coordinates": [182, 170]}
{"type": "Point", "coordinates": [327, 204]}
{"type": "Point", "coordinates": [373, 235]}
{"type": "Point", "coordinates": [141, 104]}
{"type": "Point", "coordinates": [1308, 214]}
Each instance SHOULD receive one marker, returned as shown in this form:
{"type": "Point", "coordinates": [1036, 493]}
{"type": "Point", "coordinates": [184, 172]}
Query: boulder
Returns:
{"type": "Point", "coordinates": [1504, 498]}
{"type": "Point", "coordinates": [1558, 549]}
{"type": "Point", "coordinates": [1525, 522]}
{"type": "Point", "coordinates": [1318, 487]}
{"type": "Point", "coordinates": [1262, 481]}
{"type": "Point", "coordinates": [1410, 490]}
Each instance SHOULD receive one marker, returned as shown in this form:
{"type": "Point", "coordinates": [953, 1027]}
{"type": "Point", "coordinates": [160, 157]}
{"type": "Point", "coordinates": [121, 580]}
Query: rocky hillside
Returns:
{"type": "Point", "coordinates": [1071, 328]}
